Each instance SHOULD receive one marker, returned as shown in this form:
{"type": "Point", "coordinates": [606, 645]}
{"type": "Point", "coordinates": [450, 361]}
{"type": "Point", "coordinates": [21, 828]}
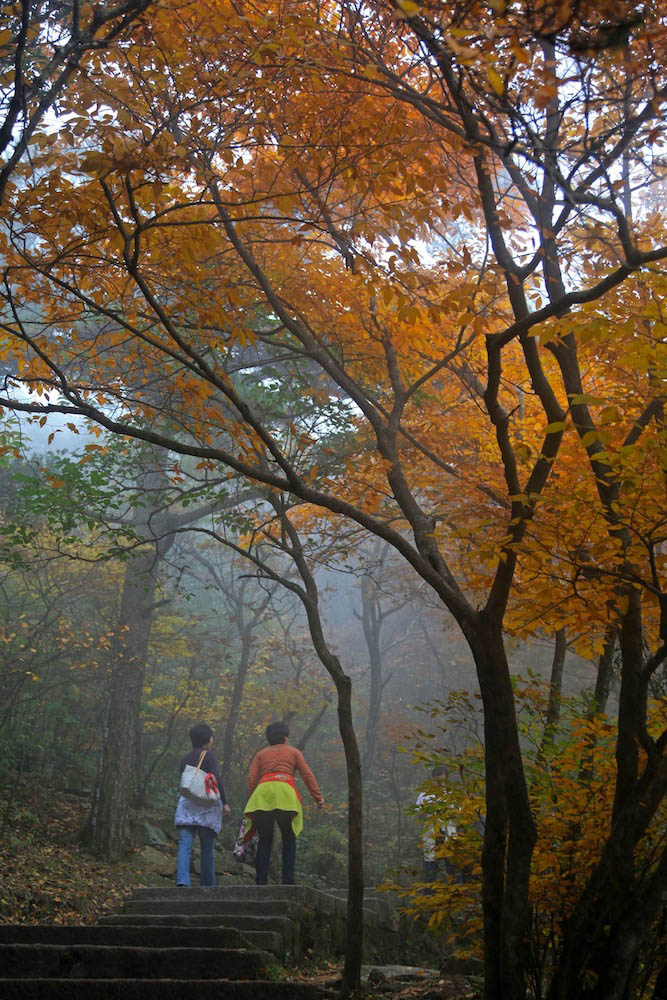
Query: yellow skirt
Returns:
{"type": "Point", "coordinates": [271, 795]}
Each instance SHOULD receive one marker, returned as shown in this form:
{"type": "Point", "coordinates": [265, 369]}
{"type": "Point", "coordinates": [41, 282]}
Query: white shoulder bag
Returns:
{"type": "Point", "coordinates": [199, 786]}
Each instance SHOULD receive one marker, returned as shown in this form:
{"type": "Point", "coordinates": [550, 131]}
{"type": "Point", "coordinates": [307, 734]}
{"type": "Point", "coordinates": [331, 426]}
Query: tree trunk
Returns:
{"type": "Point", "coordinates": [510, 832]}
{"type": "Point", "coordinates": [555, 694]}
{"type": "Point", "coordinates": [619, 958]}
{"type": "Point", "coordinates": [605, 672]}
{"type": "Point", "coordinates": [106, 832]}
{"type": "Point", "coordinates": [355, 860]}
{"type": "Point", "coordinates": [607, 928]}
{"type": "Point", "coordinates": [372, 624]}
{"type": "Point", "coordinates": [632, 698]}
{"type": "Point", "coordinates": [599, 700]}
{"type": "Point", "coordinates": [556, 682]}
{"type": "Point", "coordinates": [235, 702]}
{"type": "Point", "coordinates": [614, 913]}
{"type": "Point", "coordinates": [313, 725]}
{"type": "Point", "coordinates": [354, 945]}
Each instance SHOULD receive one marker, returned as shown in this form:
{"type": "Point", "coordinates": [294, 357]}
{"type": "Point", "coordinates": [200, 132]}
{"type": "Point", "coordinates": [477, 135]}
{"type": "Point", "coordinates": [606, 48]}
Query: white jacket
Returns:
{"type": "Point", "coordinates": [189, 813]}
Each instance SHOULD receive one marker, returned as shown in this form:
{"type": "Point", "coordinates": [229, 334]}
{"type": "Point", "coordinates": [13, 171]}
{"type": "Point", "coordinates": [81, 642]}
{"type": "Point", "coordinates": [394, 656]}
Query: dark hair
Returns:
{"type": "Point", "coordinates": [439, 771]}
{"type": "Point", "coordinates": [277, 732]}
{"type": "Point", "coordinates": [200, 734]}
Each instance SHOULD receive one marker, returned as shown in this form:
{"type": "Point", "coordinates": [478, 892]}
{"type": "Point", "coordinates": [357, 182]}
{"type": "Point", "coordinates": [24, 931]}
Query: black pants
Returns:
{"type": "Point", "coordinates": [264, 822]}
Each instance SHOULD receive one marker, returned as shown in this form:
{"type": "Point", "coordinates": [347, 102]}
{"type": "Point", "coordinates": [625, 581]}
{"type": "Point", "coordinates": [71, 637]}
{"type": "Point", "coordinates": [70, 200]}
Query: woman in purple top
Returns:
{"type": "Point", "coordinates": [192, 818]}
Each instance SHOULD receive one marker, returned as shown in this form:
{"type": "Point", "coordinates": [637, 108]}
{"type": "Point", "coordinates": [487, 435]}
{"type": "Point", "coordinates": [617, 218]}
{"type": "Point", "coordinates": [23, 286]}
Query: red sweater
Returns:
{"type": "Point", "coordinates": [287, 760]}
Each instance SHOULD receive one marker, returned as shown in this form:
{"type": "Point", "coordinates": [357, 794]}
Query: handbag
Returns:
{"type": "Point", "coordinates": [245, 845]}
{"type": "Point", "coordinates": [198, 786]}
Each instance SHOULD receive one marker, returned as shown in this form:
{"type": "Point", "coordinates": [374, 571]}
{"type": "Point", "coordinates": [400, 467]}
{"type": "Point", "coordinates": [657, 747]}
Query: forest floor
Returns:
{"type": "Point", "coordinates": [46, 876]}
{"type": "Point", "coordinates": [385, 987]}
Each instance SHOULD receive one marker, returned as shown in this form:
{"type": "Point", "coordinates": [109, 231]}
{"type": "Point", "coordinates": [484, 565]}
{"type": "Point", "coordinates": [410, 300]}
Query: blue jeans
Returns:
{"type": "Point", "coordinates": [264, 822]}
{"type": "Point", "coordinates": [186, 836]}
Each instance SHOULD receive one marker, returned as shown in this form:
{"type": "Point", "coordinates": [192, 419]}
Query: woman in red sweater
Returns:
{"type": "Point", "coordinates": [274, 799]}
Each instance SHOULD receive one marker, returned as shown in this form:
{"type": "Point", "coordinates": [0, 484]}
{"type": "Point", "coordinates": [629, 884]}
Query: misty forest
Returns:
{"type": "Point", "coordinates": [333, 352]}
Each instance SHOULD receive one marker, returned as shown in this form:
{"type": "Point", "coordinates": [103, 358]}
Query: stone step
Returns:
{"type": "Point", "coordinates": [236, 890]}
{"type": "Point", "coordinates": [240, 890]}
{"type": "Point", "coordinates": [272, 934]}
{"type": "Point", "coordinates": [154, 989]}
{"type": "Point", "coordinates": [219, 907]}
{"type": "Point", "coordinates": [130, 935]}
{"type": "Point", "coordinates": [241, 921]}
{"type": "Point", "coordinates": [375, 908]}
{"type": "Point", "coordinates": [87, 961]}
{"type": "Point", "coordinates": [225, 904]}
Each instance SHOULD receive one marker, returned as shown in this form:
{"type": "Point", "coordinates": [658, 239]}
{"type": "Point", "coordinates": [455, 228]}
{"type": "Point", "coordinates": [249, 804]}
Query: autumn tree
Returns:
{"type": "Point", "coordinates": [438, 227]}
{"type": "Point", "coordinates": [42, 47]}
{"type": "Point", "coordinates": [572, 818]}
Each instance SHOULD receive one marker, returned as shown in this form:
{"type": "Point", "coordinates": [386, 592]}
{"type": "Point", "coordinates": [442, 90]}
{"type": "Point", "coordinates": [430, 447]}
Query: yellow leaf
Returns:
{"type": "Point", "coordinates": [495, 81]}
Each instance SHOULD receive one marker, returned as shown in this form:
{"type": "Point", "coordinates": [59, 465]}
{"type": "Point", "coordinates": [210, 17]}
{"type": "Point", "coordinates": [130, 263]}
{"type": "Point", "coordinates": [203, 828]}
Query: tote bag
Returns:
{"type": "Point", "coordinates": [198, 786]}
{"type": "Point", "coordinates": [245, 845]}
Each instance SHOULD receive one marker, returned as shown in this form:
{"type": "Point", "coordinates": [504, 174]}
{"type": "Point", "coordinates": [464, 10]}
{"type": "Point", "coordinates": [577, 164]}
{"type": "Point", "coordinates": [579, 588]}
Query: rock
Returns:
{"type": "Point", "coordinates": [376, 974]}
{"type": "Point", "coordinates": [224, 872]}
{"type": "Point", "coordinates": [151, 880]}
{"type": "Point", "coordinates": [240, 873]}
{"type": "Point", "coordinates": [154, 836]}
{"type": "Point", "coordinates": [149, 859]}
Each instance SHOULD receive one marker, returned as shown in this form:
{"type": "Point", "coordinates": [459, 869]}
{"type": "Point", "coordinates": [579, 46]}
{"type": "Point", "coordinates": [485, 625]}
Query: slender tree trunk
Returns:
{"type": "Point", "coordinates": [162, 753]}
{"type": "Point", "coordinates": [605, 672]}
{"type": "Point", "coordinates": [13, 791]}
{"type": "Point", "coordinates": [355, 858]}
{"type": "Point", "coordinates": [555, 694]}
{"type": "Point", "coordinates": [235, 593]}
{"type": "Point", "coordinates": [599, 700]}
{"type": "Point", "coordinates": [235, 702]}
{"type": "Point", "coordinates": [632, 702]}
{"type": "Point", "coordinates": [313, 725]}
{"type": "Point", "coordinates": [556, 682]}
{"type": "Point", "coordinates": [372, 624]}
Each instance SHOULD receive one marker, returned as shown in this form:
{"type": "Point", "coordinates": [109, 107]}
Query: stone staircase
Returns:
{"type": "Point", "coordinates": [287, 920]}
{"type": "Point", "coordinates": [176, 959]}
{"type": "Point", "coordinates": [182, 944]}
